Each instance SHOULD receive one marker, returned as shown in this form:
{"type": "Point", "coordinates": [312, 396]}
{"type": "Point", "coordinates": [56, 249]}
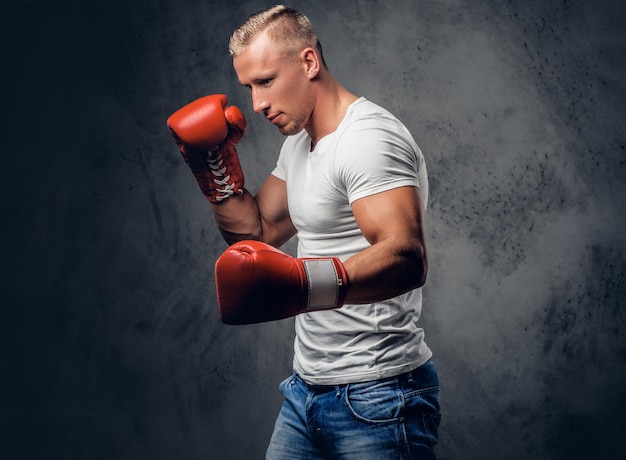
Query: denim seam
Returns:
{"type": "Point", "coordinates": [387, 421]}
{"type": "Point", "coordinates": [421, 391]}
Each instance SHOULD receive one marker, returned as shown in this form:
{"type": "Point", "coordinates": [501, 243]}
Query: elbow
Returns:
{"type": "Point", "coordinates": [232, 238]}
{"type": "Point", "coordinates": [419, 262]}
{"type": "Point", "coordinates": [411, 268]}
{"type": "Point", "coordinates": [422, 272]}
{"type": "Point", "coordinates": [421, 280]}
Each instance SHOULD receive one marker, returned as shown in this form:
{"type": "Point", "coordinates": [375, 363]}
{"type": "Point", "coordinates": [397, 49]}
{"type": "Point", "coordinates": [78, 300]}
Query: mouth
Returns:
{"type": "Point", "coordinates": [273, 118]}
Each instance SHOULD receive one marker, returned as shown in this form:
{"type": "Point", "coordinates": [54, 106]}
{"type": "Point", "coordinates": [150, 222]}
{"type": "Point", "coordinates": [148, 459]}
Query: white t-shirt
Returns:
{"type": "Point", "coordinates": [371, 151]}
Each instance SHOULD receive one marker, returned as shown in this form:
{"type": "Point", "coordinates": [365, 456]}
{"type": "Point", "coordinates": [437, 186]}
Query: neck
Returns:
{"type": "Point", "coordinates": [331, 104]}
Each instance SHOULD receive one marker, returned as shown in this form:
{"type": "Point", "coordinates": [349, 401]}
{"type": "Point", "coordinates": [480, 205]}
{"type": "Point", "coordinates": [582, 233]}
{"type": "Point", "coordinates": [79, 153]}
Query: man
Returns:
{"type": "Point", "coordinates": [351, 183]}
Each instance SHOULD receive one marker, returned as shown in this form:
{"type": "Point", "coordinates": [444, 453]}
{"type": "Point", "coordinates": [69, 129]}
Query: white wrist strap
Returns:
{"type": "Point", "coordinates": [324, 283]}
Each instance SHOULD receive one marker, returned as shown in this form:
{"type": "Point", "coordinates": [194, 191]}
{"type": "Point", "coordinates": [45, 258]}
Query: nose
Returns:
{"type": "Point", "coordinates": [259, 103]}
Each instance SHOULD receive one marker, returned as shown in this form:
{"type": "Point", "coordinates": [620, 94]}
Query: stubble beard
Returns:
{"type": "Point", "coordinates": [294, 128]}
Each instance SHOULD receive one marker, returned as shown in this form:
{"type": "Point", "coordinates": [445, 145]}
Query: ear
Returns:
{"type": "Point", "coordinates": [311, 62]}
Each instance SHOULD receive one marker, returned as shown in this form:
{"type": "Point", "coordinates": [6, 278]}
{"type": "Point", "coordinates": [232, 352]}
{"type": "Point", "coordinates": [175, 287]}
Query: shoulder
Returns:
{"type": "Point", "coordinates": [363, 110]}
{"type": "Point", "coordinates": [369, 122]}
{"type": "Point", "coordinates": [376, 152]}
{"type": "Point", "coordinates": [370, 132]}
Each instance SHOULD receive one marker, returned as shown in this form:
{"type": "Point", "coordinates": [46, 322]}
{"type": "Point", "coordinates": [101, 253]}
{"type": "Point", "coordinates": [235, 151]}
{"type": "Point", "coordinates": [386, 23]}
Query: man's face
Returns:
{"type": "Point", "coordinates": [279, 84]}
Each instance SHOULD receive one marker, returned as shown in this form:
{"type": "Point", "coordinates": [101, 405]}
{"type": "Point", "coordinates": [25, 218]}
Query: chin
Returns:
{"type": "Point", "coordinates": [293, 128]}
{"type": "Point", "coordinates": [287, 131]}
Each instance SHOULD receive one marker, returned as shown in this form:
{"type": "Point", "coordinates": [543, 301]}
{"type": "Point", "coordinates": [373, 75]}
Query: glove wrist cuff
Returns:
{"type": "Point", "coordinates": [327, 283]}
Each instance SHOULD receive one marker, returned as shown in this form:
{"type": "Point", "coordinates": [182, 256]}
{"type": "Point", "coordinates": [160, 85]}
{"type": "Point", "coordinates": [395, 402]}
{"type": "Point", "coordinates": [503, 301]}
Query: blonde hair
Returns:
{"type": "Point", "coordinates": [284, 25]}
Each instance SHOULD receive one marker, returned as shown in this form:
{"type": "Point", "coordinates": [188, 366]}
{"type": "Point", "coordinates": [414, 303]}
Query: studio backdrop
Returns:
{"type": "Point", "coordinates": [113, 344]}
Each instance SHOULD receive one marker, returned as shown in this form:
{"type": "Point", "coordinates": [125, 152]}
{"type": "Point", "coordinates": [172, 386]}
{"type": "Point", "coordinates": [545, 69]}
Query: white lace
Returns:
{"type": "Point", "coordinates": [215, 163]}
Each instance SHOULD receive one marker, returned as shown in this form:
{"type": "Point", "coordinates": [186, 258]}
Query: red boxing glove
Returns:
{"type": "Point", "coordinates": [257, 283]}
{"type": "Point", "coordinates": [206, 132]}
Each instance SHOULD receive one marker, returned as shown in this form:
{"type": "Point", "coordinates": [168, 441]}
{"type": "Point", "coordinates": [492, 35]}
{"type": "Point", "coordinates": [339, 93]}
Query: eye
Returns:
{"type": "Point", "coordinates": [265, 82]}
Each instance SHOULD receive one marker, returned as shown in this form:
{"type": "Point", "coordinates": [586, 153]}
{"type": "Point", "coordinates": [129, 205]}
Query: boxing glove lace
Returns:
{"type": "Point", "coordinates": [206, 132]}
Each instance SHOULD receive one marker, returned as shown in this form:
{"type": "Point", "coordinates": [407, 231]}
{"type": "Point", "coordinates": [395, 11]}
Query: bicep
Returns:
{"type": "Point", "coordinates": [276, 224]}
{"type": "Point", "coordinates": [396, 213]}
{"type": "Point", "coordinates": [396, 260]}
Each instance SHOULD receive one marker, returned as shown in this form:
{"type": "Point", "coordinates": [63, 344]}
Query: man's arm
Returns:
{"type": "Point", "coordinates": [394, 224]}
{"type": "Point", "coordinates": [263, 218]}
{"type": "Point", "coordinates": [206, 132]}
{"type": "Point", "coordinates": [255, 282]}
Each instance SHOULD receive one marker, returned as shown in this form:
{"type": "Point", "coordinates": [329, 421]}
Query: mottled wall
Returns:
{"type": "Point", "coordinates": [113, 347]}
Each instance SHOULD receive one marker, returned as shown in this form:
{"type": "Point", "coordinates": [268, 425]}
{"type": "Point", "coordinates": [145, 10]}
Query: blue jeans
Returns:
{"type": "Point", "coordinates": [393, 418]}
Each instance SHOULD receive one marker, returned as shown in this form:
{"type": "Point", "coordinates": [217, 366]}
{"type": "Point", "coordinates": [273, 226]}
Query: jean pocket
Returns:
{"type": "Point", "coordinates": [375, 402]}
{"type": "Point", "coordinates": [422, 406]}
{"type": "Point", "coordinates": [423, 400]}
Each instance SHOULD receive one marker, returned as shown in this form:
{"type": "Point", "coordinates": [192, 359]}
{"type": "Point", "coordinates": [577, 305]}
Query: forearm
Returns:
{"type": "Point", "coordinates": [263, 217]}
{"type": "Point", "coordinates": [238, 218]}
{"type": "Point", "coordinates": [385, 270]}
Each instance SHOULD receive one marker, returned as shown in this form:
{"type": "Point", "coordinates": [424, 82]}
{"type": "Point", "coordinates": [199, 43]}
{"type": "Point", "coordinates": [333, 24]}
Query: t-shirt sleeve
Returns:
{"type": "Point", "coordinates": [375, 155]}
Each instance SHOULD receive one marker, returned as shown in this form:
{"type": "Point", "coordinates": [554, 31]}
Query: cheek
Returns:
{"type": "Point", "coordinates": [295, 84]}
{"type": "Point", "coordinates": [298, 96]}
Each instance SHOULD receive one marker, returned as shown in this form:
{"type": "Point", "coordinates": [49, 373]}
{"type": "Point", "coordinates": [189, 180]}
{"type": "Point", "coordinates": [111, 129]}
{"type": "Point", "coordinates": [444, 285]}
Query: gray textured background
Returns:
{"type": "Point", "coordinates": [112, 344]}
